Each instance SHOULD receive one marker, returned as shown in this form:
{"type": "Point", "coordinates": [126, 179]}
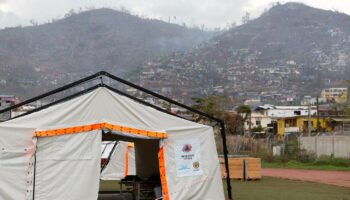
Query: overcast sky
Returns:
{"type": "Point", "coordinates": [211, 13]}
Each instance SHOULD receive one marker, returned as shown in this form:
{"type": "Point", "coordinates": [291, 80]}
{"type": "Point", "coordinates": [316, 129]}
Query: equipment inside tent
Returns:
{"type": "Point", "coordinates": [55, 152]}
{"type": "Point", "coordinates": [117, 160]}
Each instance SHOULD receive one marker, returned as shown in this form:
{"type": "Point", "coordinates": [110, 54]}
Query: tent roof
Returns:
{"type": "Point", "coordinates": [101, 106]}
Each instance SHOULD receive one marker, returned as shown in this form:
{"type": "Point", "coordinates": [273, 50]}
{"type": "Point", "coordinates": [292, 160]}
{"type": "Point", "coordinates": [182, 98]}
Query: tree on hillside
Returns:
{"type": "Point", "coordinates": [245, 112]}
{"type": "Point", "coordinates": [246, 18]}
{"type": "Point", "coordinates": [214, 105]}
{"type": "Point", "coordinates": [217, 106]}
{"type": "Point", "coordinates": [233, 123]}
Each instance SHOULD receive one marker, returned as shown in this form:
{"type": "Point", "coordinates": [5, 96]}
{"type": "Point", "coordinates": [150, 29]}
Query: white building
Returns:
{"type": "Point", "coordinates": [336, 95]}
{"type": "Point", "coordinates": [308, 100]}
{"type": "Point", "coordinates": [266, 115]}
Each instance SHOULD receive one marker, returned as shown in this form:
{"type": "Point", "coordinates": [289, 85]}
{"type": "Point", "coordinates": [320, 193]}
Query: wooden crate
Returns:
{"type": "Point", "coordinates": [235, 166]}
{"type": "Point", "coordinates": [252, 168]}
{"type": "Point", "coordinates": [245, 168]}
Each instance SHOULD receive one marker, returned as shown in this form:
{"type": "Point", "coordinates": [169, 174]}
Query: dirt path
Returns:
{"type": "Point", "coordinates": [337, 178]}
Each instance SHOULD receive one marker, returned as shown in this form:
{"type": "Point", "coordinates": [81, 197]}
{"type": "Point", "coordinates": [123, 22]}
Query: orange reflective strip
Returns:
{"type": "Point", "coordinates": [91, 127]}
{"type": "Point", "coordinates": [131, 145]}
{"type": "Point", "coordinates": [109, 126]}
{"type": "Point", "coordinates": [163, 174]}
{"type": "Point", "coordinates": [127, 161]}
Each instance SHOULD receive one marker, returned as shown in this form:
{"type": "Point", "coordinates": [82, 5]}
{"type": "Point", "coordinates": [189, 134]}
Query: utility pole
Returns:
{"type": "Point", "coordinates": [309, 120]}
{"type": "Point", "coordinates": [250, 125]}
{"type": "Point", "coordinates": [318, 114]}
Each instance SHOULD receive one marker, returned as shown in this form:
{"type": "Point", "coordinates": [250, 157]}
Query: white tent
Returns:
{"type": "Point", "coordinates": [122, 160]}
{"type": "Point", "coordinates": [56, 152]}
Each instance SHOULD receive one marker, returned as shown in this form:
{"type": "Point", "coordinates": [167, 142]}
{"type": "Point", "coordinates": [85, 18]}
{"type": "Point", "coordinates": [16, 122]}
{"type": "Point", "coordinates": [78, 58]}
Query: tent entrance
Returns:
{"type": "Point", "coordinates": [146, 152]}
{"type": "Point", "coordinates": [146, 177]}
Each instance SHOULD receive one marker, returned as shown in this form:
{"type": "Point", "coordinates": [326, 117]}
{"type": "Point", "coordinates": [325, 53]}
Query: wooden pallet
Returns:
{"type": "Point", "coordinates": [247, 168]}
{"type": "Point", "coordinates": [253, 168]}
{"type": "Point", "coordinates": [235, 167]}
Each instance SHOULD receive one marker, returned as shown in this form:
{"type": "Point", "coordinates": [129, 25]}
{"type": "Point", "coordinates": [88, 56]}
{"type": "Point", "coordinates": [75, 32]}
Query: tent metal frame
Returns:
{"type": "Point", "coordinates": [116, 143]}
{"type": "Point", "coordinates": [102, 74]}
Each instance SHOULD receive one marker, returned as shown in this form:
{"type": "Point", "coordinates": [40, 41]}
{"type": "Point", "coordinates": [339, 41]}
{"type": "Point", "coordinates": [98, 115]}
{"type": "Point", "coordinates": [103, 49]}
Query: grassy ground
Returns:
{"type": "Point", "coordinates": [299, 165]}
{"type": "Point", "coordinates": [279, 189]}
{"type": "Point", "coordinates": [275, 189]}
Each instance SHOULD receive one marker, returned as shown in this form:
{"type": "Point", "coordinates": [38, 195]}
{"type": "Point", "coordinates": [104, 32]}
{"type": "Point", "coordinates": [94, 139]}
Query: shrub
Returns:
{"type": "Point", "coordinates": [292, 148]}
{"type": "Point", "coordinates": [328, 160]}
{"type": "Point", "coordinates": [306, 157]}
{"type": "Point", "coordinates": [265, 155]}
{"type": "Point", "coordinates": [284, 158]}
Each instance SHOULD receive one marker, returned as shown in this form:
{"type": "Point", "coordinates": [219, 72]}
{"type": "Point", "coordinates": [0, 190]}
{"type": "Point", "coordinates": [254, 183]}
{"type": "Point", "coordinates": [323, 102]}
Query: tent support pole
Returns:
{"type": "Point", "coordinates": [109, 156]}
{"type": "Point", "coordinates": [141, 101]}
{"type": "Point", "coordinates": [158, 96]}
{"type": "Point", "coordinates": [57, 102]}
{"type": "Point", "coordinates": [55, 91]}
{"type": "Point", "coordinates": [228, 179]}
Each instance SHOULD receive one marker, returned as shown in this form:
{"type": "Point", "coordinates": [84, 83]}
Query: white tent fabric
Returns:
{"type": "Point", "coordinates": [122, 157]}
{"type": "Point", "coordinates": [17, 147]}
{"type": "Point", "coordinates": [106, 148]}
{"type": "Point", "coordinates": [73, 160]}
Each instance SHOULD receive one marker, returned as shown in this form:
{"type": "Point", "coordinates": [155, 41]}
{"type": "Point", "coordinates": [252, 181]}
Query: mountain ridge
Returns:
{"type": "Point", "coordinates": [291, 50]}
{"type": "Point", "coordinates": [86, 42]}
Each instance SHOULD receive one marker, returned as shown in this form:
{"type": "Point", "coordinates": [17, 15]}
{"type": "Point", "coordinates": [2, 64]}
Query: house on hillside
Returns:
{"type": "Point", "coordinates": [285, 120]}
{"type": "Point", "coordinates": [335, 95]}
{"type": "Point", "coordinates": [7, 101]}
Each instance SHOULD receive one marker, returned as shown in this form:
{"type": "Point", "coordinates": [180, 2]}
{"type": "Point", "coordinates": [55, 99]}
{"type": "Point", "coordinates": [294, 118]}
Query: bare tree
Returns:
{"type": "Point", "coordinates": [246, 18]}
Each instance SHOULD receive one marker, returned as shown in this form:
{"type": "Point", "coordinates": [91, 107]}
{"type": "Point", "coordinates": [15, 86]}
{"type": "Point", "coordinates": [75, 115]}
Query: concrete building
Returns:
{"type": "Point", "coordinates": [335, 95]}
{"type": "Point", "coordinates": [7, 101]}
{"type": "Point", "coordinates": [286, 120]}
{"type": "Point", "coordinates": [308, 100]}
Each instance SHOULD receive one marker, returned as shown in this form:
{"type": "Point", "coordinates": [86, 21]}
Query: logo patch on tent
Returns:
{"type": "Point", "coordinates": [187, 148]}
{"type": "Point", "coordinates": [196, 165]}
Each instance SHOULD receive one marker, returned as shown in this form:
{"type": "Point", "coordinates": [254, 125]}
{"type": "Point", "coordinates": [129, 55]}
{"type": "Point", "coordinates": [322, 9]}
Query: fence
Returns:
{"type": "Point", "coordinates": [333, 145]}
{"type": "Point", "coordinates": [244, 145]}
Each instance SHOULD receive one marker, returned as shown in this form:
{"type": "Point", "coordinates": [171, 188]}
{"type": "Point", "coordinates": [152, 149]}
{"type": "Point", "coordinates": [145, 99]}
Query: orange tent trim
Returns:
{"type": "Point", "coordinates": [163, 174]}
{"type": "Point", "coordinates": [91, 127]}
{"type": "Point", "coordinates": [127, 161]}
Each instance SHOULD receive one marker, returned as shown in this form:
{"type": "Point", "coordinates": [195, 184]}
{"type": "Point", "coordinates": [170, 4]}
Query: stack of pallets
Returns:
{"type": "Point", "coordinates": [245, 168]}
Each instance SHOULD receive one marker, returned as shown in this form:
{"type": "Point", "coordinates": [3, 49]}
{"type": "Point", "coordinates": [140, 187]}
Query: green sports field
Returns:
{"type": "Point", "coordinates": [280, 189]}
{"type": "Point", "coordinates": [275, 189]}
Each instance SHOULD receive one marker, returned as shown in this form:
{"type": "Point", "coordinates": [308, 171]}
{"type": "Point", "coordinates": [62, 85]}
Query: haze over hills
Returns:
{"type": "Point", "coordinates": [83, 43]}
{"type": "Point", "coordinates": [289, 51]}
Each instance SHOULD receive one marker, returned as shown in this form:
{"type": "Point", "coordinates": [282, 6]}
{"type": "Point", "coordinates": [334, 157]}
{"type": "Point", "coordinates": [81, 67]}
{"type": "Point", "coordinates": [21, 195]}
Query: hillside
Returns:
{"type": "Point", "coordinates": [80, 44]}
{"type": "Point", "coordinates": [289, 51]}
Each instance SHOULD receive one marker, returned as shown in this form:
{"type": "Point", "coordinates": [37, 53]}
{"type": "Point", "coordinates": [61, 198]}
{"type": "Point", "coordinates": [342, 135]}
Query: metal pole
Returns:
{"type": "Point", "coordinates": [58, 101]}
{"type": "Point", "coordinates": [333, 147]}
{"type": "Point", "coordinates": [250, 125]}
{"type": "Point", "coordinates": [228, 179]}
{"type": "Point", "coordinates": [159, 96]}
{"type": "Point", "coordinates": [318, 115]}
{"type": "Point", "coordinates": [89, 78]}
{"type": "Point", "coordinates": [109, 156]}
{"type": "Point", "coordinates": [309, 120]}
